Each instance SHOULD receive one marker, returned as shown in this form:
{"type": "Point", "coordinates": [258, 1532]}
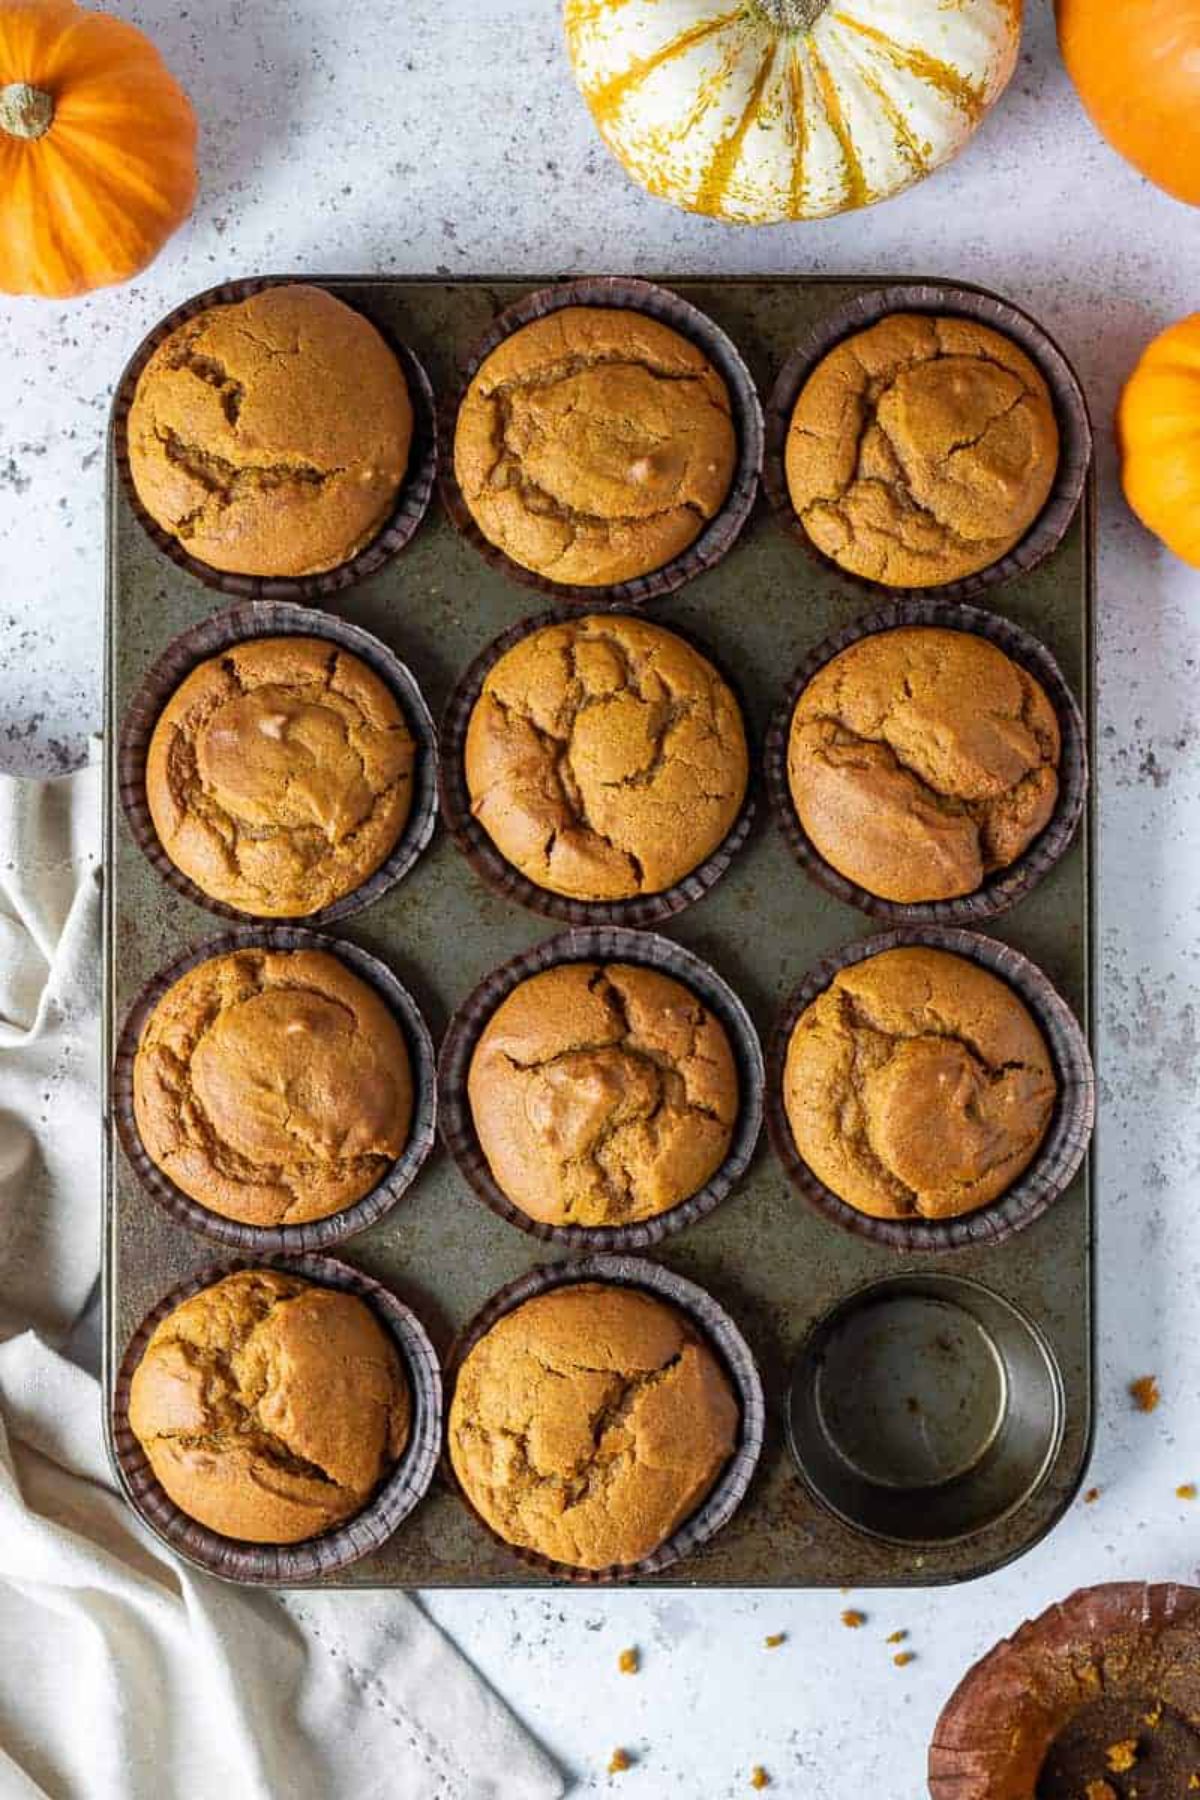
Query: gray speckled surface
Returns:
{"type": "Point", "coordinates": [419, 137]}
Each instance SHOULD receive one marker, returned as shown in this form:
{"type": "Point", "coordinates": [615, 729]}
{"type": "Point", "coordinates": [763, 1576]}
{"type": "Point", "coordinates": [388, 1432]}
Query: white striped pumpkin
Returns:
{"type": "Point", "coordinates": [762, 110]}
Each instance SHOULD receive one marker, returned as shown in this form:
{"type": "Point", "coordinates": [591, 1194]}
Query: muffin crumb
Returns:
{"type": "Point", "coordinates": [897, 1637]}
{"type": "Point", "coordinates": [1145, 1393]}
{"type": "Point", "coordinates": [629, 1662]}
{"type": "Point", "coordinates": [1186, 1491]}
{"type": "Point", "coordinates": [904, 1657]}
{"type": "Point", "coordinates": [1091, 1497]}
{"type": "Point", "coordinates": [759, 1777]}
{"type": "Point", "coordinates": [1154, 1717]}
{"type": "Point", "coordinates": [1101, 1790]}
{"type": "Point", "coordinates": [776, 1638]}
{"type": "Point", "coordinates": [1122, 1757]}
{"type": "Point", "coordinates": [852, 1618]}
{"type": "Point", "coordinates": [619, 1761]}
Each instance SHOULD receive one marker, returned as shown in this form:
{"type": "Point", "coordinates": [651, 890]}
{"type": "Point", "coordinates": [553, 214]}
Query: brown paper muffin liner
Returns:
{"type": "Point", "coordinates": [289, 1565]}
{"type": "Point", "coordinates": [1006, 886]}
{"type": "Point", "coordinates": [238, 625]}
{"type": "Point", "coordinates": [1070, 407]}
{"type": "Point", "coordinates": [600, 945]}
{"type": "Point", "coordinates": [974, 1738]}
{"type": "Point", "coordinates": [408, 510]}
{"type": "Point", "coordinates": [718, 536]}
{"type": "Point", "coordinates": [722, 1335]}
{"type": "Point", "coordinates": [501, 876]}
{"type": "Point", "coordinates": [1062, 1149]}
{"type": "Point", "coordinates": [314, 1234]}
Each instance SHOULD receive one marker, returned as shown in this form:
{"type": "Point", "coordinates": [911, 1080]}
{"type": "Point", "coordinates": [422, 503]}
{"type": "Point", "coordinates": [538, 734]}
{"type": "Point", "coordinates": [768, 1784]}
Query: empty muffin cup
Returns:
{"type": "Point", "coordinates": [314, 1234]}
{"type": "Point", "coordinates": [923, 1409]}
{"type": "Point", "coordinates": [640, 949]}
{"type": "Point", "coordinates": [239, 625]}
{"type": "Point", "coordinates": [624, 294]}
{"type": "Point", "coordinates": [408, 509]}
{"type": "Point", "coordinates": [289, 1565]}
{"type": "Point", "coordinates": [1056, 1159]}
{"type": "Point", "coordinates": [502, 876]}
{"type": "Point", "coordinates": [1004, 887]}
{"type": "Point", "coordinates": [716, 1329]}
{"type": "Point", "coordinates": [979, 307]}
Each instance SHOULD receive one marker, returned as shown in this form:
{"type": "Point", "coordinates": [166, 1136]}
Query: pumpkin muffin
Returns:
{"type": "Point", "coordinates": [921, 450]}
{"type": "Point", "coordinates": [280, 775]}
{"type": "Point", "coordinates": [921, 761]}
{"type": "Point", "coordinates": [605, 758]}
{"type": "Point", "coordinates": [594, 445]}
{"type": "Point", "coordinates": [274, 1087]}
{"type": "Point", "coordinates": [271, 437]}
{"type": "Point", "coordinates": [270, 1409]}
{"type": "Point", "coordinates": [918, 1086]}
{"type": "Point", "coordinates": [589, 1423]}
{"type": "Point", "coordinates": [602, 1094]}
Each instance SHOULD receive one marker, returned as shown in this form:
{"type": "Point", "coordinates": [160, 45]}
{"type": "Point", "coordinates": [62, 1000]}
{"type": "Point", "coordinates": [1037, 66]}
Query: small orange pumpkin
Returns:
{"type": "Point", "coordinates": [1158, 429]}
{"type": "Point", "coordinates": [97, 149]}
{"type": "Point", "coordinates": [1136, 65]}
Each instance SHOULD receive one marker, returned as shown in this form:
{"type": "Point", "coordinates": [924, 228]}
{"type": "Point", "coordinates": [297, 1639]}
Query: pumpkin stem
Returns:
{"type": "Point", "coordinates": [25, 111]}
{"type": "Point", "coordinates": [790, 15]}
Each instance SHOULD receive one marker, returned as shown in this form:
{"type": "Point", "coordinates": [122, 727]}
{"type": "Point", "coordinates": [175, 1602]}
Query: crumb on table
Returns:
{"type": "Point", "coordinates": [759, 1777]}
{"type": "Point", "coordinates": [1122, 1757]}
{"type": "Point", "coordinates": [775, 1639]}
{"type": "Point", "coordinates": [1144, 1392]}
{"type": "Point", "coordinates": [1091, 1497]}
{"type": "Point", "coordinates": [619, 1761]}
{"type": "Point", "coordinates": [629, 1662]}
{"type": "Point", "coordinates": [852, 1619]}
{"type": "Point", "coordinates": [1154, 1717]}
{"type": "Point", "coordinates": [1101, 1790]}
{"type": "Point", "coordinates": [897, 1637]}
{"type": "Point", "coordinates": [904, 1658]}
{"type": "Point", "coordinates": [1186, 1490]}
{"type": "Point", "coordinates": [1194, 1784]}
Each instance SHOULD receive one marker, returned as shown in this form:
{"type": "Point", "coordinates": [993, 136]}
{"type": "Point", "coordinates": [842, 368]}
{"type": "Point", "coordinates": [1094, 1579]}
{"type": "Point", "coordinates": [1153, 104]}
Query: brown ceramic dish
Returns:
{"type": "Point", "coordinates": [290, 1565]}
{"type": "Point", "coordinates": [411, 502]}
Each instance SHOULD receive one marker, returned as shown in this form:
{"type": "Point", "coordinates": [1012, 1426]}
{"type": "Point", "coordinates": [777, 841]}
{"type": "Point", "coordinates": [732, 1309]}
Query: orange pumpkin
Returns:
{"type": "Point", "coordinates": [97, 149]}
{"type": "Point", "coordinates": [1158, 429]}
{"type": "Point", "coordinates": [1136, 64]}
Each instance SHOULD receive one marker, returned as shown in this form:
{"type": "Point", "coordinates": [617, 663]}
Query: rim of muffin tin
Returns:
{"type": "Point", "coordinates": [287, 1565]}
{"type": "Point", "coordinates": [605, 945]}
{"type": "Point", "coordinates": [412, 497]}
{"type": "Point", "coordinates": [1058, 1156]}
{"type": "Point", "coordinates": [503, 877]}
{"type": "Point", "coordinates": [1004, 887]}
{"type": "Point", "coordinates": [239, 625]}
{"type": "Point", "coordinates": [980, 307]}
{"type": "Point", "coordinates": [964, 1737]}
{"type": "Point", "coordinates": [623, 294]}
{"type": "Point", "coordinates": [313, 1234]}
{"type": "Point", "coordinates": [717, 1329]}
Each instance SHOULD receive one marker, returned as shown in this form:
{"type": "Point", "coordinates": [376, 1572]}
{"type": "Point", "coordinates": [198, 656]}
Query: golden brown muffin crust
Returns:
{"type": "Point", "coordinates": [274, 1087]}
{"type": "Point", "coordinates": [271, 436]}
{"type": "Point", "coordinates": [918, 1085]}
{"type": "Point", "coordinates": [270, 1409]}
{"type": "Point", "coordinates": [921, 450]}
{"type": "Point", "coordinates": [920, 761]}
{"type": "Point", "coordinates": [605, 758]}
{"type": "Point", "coordinates": [594, 445]}
{"type": "Point", "coordinates": [602, 1093]}
{"type": "Point", "coordinates": [589, 1423]}
{"type": "Point", "coordinates": [280, 775]}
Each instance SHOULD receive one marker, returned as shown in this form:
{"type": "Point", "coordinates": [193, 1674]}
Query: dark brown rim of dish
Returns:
{"type": "Point", "coordinates": [1061, 1150]}
{"type": "Point", "coordinates": [625, 294]}
{"type": "Point", "coordinates": [713, 1324]}
{"type": "Point", "coordinates": [239, 625]}
{"type": "Point", "coordinates": [604, 945]}
{"type": "Point", "coordinates": [501, 876]}
{"type": "Point", "coordinates": [408, 509]}
{"type": "Point", "coordinates": [314, 1234]}
{"type": "Point", "coordinates": [983, 308]}
{"type": "Point", "coordinates": [980, 1711]}
{"type": "Point", "coordinates": [1004, 887]}
{"type": "Point", "coordinates": [288, 1565]}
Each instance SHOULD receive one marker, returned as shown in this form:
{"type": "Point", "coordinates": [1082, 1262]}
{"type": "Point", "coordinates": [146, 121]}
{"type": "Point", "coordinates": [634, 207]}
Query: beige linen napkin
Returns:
{"type": "Point", "coordinates": [124, 1674]}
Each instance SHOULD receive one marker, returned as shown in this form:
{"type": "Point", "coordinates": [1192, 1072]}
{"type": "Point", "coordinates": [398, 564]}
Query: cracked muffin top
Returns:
{"type": "Point", "coordinates": [274, 1087]}
{"type": "Point", "coordinates": [280, 775]}
{"type": "Point", "coordinates": [921, 450]}
{"type": "Point", "coordinates": [271, 437]}
{"type": "Point", "coordinates": [270, 1409]}
{"type": "Point", "coordinates": [605, 758]}
{"type": "Point", "coordinates": [918, 1086]}
{"type": "Point", "coordinates": [589, 1423]}
{"type": "Point", "coordinates": [602, 1094]}
{"type": "Point", "coordinates": [594, 445]}
{"type": "Point", "coordinates": [921, 761]}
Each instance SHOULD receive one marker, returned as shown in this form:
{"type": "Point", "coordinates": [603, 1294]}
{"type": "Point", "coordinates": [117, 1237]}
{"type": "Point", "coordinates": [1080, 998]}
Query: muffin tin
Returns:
{"type": "Point", "coordinates": [985, 1352]}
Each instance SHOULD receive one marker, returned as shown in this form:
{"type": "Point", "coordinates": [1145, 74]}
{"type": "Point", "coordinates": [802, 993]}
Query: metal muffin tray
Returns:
{"type": "Point", "coordinates": [939, 1404]}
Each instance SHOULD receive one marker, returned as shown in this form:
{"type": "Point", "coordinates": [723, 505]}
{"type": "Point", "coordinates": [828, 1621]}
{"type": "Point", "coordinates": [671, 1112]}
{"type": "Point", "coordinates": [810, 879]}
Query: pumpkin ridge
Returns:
{"type": "Point", "coordinates": [716, 178]}
{"type": "Point", "coordinates": [606, 99]}
{"type": "Point", "coordinates": [795, 85]}
{"type": "Point", "coordinates": [958, 89]}
{"type": "Point", "coordinates": [857, 190]}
